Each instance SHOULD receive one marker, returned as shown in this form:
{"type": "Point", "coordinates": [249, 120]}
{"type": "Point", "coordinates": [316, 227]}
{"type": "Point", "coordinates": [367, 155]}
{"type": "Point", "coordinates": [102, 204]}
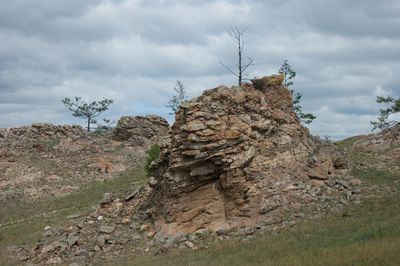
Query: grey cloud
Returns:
{"type": "Point", "coordinates": [355, 18]}
{"type": "Point", "coordinates": [133, 51]}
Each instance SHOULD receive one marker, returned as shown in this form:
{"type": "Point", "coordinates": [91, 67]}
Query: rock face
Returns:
{"type": "Point", "coordinates": [141, 129]}
{"type": "Point", "coordinates": [238, 155]}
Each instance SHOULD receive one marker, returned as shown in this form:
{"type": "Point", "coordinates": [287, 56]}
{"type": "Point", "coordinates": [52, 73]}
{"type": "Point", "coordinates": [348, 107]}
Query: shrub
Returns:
{"type": "Point", "coordinates": [152, 154]}
{"type": "Point", "coordinates": [107, 126]}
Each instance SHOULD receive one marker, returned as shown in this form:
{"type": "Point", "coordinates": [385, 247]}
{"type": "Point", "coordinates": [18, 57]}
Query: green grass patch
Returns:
{"type": "Point", "coordinates": [374, 176]}
{"type": "Point", "coordinates": [363, 158]}
{"type": "Point", "coordinates": [152, 154]}
{"type": "Point", "coordinates": [347, 143]}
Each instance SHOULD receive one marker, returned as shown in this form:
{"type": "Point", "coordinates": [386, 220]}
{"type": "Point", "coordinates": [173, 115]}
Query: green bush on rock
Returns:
{"type": "Point", "coordinates": [153, 154]}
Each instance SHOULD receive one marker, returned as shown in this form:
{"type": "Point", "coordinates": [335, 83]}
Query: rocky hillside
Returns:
{"type": "Point", "coordinates": [45, 160]}
{"type": "Point", "coordinates": [383, 148]}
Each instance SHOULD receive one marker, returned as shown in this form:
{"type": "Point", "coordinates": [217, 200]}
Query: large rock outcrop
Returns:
{"type": "Point", "coordinates": [141, 130]}
{"type": "Point", "coordinates": [238, 155]}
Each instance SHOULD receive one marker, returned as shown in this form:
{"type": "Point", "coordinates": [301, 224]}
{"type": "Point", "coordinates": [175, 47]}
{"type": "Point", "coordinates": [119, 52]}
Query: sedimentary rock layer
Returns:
{"type": "Point", "coordinates": [237, 155]}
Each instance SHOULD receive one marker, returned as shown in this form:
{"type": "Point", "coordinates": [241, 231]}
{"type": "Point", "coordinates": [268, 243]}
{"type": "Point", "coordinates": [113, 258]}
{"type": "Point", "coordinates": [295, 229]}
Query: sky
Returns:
{"type": "Point", "coordinates": [345, 53]}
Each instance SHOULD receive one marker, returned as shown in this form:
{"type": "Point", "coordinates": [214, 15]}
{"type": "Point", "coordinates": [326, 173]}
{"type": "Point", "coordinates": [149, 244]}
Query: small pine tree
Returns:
{"type": "Point", "coordinates": [177, 99]}
{"type": "Point", "coordinates": [88, 111]}
{"type": "Point", "coordinates": [289, 74]}
{"type": "Point", "coordinates": [383, 122]}
{"type": "Point", "coordinates": [306, 118]}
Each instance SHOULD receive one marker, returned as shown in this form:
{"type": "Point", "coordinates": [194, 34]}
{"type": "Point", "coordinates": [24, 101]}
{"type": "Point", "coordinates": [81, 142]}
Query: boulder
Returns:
{"type": "Point", "coordinates": [141, 130]}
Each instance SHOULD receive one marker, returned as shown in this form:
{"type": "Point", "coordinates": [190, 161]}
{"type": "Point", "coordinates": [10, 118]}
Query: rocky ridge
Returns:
{"type": "Point", "coordinates": [41, 130]}
{"type": "Point", "coordinates": [52, 160]}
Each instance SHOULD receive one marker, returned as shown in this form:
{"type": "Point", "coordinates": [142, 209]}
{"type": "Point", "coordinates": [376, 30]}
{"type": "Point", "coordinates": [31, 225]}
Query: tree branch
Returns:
{"type": "Point", "coordinates": [228, 69]}
{"type": "Point", "coordinates": [250, 63]}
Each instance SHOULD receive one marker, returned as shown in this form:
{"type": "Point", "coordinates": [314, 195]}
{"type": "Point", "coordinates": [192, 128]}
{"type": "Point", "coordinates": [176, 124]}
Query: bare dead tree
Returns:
{"type": "Point", "coordinates": [237, 36]}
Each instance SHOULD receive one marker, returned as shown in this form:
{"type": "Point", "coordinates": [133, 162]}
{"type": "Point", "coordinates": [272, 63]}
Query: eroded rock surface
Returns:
{"type": "Point", "coordinates": [141, 130]}
{"type": "Point", "coordinates": [237, 155]}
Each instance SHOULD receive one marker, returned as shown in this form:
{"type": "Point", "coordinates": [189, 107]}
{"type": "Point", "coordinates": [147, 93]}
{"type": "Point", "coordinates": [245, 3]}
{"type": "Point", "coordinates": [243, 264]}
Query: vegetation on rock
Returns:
{"type": "Point", "coordinates": [152, 154]}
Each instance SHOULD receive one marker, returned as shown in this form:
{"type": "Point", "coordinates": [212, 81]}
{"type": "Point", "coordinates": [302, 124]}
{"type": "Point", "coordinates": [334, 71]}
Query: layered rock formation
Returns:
{"type": "Point", "coordinates": [238, 155]}
{"type": "Point", "coordinates": [141, 129]}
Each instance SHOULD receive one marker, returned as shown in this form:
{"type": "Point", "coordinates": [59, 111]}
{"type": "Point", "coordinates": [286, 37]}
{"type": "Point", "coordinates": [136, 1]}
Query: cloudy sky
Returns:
{"type": "Point", "coordinates": [345, 53]}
